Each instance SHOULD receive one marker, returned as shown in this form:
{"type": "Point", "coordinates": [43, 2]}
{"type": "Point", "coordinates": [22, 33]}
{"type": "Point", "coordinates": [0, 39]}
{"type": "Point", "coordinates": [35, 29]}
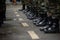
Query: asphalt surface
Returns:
{"type": "Point", "coordinates": [18, 27]}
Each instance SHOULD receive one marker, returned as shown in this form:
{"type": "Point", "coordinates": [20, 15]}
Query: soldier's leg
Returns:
{"type": "Point", "coordinates": [23, 6]}
{"type": "Point", "coordinates": [14, 2]}
{"type": "Point", "coordinates": [28, 8]}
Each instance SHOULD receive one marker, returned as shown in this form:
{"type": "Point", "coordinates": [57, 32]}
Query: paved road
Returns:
{"type": "Point", "coordinates": [18, 27]}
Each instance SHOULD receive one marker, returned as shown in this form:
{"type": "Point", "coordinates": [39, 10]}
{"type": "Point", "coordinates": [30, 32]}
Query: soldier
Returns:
{"type": "Point", "coordinates": [2, 11]}
{"type": "Point", "coordinates": [23, 5]}
{"type": "Point", "coordinates": [14, 2]}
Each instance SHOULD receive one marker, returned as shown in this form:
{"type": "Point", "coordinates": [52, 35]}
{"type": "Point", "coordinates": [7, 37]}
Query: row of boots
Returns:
{"type": "Point", "coordinates": [42, 18]}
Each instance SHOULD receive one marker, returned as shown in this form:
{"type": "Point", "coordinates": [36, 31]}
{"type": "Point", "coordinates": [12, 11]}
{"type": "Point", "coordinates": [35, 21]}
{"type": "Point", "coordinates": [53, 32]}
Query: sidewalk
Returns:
{"type": "Point", "coordinates": [18, 27]}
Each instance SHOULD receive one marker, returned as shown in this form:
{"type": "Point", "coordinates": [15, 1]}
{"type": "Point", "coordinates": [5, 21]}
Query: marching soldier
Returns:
{"type": "Point", "coordinates": [2, 11]}
{"type": "Point", "coordinates": [23, 4]}
{"type": "Point", "coordinates": [14, 2]}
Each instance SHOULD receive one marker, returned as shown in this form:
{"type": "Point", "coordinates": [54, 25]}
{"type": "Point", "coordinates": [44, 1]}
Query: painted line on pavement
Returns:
{"type": "Point", "coordinates": [33, 35]}
{"type": "Point", "coordinates": [21, 19]}
{"type": "Point", "coordinates": [25, 24]}
{"type": "Point", "coordinates": [17, 15]}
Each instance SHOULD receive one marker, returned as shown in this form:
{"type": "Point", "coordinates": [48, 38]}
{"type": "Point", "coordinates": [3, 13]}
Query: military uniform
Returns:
{"type": "Point", "coordinates": [23, 4]}
{"type": "Point", "coordinates": [2, 10]}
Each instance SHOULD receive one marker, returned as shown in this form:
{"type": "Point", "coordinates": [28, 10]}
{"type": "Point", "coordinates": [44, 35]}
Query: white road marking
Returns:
{"type": "Point", "coordinates": [25, 24]}
{"type": "Point", "coordinates": [16, 12]}
{"type": "Point", "coordinates": [17, 15]}
{"type": "Point", "coordinates": [14, 19]}
{"type": "Point", "coordinates": [33, 35]}
{"type": "Point", "coordinates": [21, 19]}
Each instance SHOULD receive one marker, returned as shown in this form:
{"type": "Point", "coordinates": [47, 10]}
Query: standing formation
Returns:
{"type": "Point", "coordinates": [44, 13]}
